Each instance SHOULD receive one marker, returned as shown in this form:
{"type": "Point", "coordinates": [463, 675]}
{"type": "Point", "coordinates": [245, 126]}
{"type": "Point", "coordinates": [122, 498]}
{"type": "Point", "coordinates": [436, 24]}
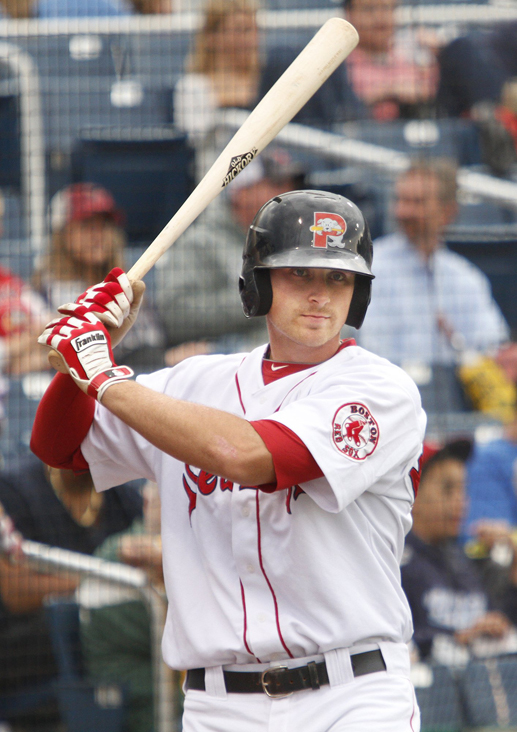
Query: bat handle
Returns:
{"type": "Point", "coordinates": [57, 361]}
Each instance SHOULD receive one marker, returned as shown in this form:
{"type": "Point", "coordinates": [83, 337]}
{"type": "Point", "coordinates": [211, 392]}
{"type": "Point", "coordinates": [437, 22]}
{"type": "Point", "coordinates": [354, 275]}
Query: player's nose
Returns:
{"type": "Point", "coordinates": [319, 290]}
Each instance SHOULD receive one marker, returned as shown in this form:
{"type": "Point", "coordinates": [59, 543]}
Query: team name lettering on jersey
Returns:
{"type": "Point", "coordinates": [205, 484]}
{"type": "Point", "coordinates": [355, 432]}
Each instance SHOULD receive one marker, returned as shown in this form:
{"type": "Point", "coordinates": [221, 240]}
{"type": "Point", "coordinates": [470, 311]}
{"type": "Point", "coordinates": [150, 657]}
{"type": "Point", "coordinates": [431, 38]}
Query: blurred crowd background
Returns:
{"type": "Point", "coordinates": [110, 112]}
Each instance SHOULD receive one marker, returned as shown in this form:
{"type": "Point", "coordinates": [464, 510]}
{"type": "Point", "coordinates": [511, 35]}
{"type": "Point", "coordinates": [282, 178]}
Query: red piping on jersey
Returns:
{"type": "Point", "coordinates": [238, 386]}
{"type": "Point", "coordinates": [245, 636]}
{"type": "Point", "coordinates": [239, 393]}
{"type": "Point", "coordinates": [259, 546]}
{"type": "Point", "coordinates": [412, 715]}
{"type": "Point", "coordinates": [294, 387]}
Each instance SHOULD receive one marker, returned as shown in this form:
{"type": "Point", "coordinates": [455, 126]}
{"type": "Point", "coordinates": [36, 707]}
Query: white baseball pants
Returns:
{"type": "Point", "coordinates": [379, 702]}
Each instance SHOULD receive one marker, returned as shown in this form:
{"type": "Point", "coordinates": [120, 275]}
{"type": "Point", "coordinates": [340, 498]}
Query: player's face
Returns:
{"type": "Point", "coordinates": [441, 501]}
{"type": "Point", "coordinates": [308, 311]}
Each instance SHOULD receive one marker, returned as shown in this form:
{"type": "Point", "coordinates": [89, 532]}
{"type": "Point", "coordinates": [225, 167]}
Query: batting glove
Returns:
{"type": "Point", "coordinates": [110, 300]}
{"type": "Point", "coordinates": [114, 301]}
{"type": "Point", "coordinates": [84, 344]}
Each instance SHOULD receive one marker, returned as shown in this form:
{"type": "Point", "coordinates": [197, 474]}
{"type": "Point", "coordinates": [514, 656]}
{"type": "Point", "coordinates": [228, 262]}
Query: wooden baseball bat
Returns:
{"type": "Point", "coordinates": [309, 70]}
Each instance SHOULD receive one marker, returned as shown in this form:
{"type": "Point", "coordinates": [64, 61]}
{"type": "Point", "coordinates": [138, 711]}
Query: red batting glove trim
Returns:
{"type": "Point", "coordinates": [99, 383]}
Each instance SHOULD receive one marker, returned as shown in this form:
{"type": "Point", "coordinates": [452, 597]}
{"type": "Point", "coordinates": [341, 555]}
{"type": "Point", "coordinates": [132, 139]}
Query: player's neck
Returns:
{"type": "Point", "coordinates": [292, 352]}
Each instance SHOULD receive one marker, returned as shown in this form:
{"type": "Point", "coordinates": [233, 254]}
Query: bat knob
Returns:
{"type": "Point", "coordinates": [57, 362]}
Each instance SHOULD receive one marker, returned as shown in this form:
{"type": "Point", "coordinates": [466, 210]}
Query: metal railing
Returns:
{"type": "Point", "coordinates": [343, 149]}
{"type": "Point", "coordinates": [32, 146]}
{"type": "Point", "coordinates": [44, 558]}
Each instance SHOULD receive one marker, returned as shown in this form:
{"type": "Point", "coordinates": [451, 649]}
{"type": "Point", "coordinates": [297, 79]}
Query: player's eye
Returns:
{"type": "Point", "coordinates": [338, 276]}
{"type": "Point", "coordinates": [299, 272]}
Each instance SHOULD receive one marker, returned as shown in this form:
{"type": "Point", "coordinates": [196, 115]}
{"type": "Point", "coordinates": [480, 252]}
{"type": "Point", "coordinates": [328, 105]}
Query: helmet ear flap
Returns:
{"type": "Point", "coordinates": [360, 301]}
{"type": "Point", "coordinates": [256, 292]}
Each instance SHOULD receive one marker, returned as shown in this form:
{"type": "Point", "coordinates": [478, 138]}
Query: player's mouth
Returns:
{"type": "Point", "coordinates": [316, 317]}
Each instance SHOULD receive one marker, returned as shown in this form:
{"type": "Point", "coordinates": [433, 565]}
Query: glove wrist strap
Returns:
{"type": "Point", "coordinates": [105, 379]}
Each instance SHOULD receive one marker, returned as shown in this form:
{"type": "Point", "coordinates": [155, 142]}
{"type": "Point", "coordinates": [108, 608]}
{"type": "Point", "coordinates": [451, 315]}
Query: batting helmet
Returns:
{"type": "Point", "coordinates": [306, 229]}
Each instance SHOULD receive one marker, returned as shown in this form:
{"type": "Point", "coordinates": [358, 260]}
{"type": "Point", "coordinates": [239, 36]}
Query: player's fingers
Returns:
{"type": "Point", "coordinates": [138, 290]}
{"type": "Point", "coordinates": [118, 275]}
{"type": "Point", "coordinates": [79, 315]}
{"type": "Point", "coordinates": [43, 338]}
{"type": "Point", "coordinates": [74, 309]}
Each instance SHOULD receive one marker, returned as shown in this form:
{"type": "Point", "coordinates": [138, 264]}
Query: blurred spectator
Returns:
{"type": "Point", "coordinates": [507, 111]}
{"type": "Point", "coordinates": [428, 303]}
{"type": "Point", "coordinates": [58, 508]}
{"type": "Point", "coordinates": [392, 72]}
{"type": "Point", "coordinates": [81, 8]}
{"type": "Point", "coordinates": [115, 626]}
{"type": "Point", "coordinates": [223, 69]}
{"type": "Point", "coordinates": [87, 242]}
{"type": "Point", "coordinates": [153, 7]}
{"type": "Point", "coordinates": [16, 8]}
{"type": "Point", "coordinates": [474, 68]}
{"type": "Point", "coordinates": [492, 481]}
{"type": "Point", "coordinates": [196, 280]}
{"type": "Point", "coordinates": [454, 615]}
{"type": "Point", "coordinates": [22, 314]}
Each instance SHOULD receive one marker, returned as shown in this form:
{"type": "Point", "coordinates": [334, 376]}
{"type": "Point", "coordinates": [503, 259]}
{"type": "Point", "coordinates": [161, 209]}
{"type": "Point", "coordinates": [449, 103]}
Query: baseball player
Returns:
{"type": "Point", "coordinates": [287, 477]}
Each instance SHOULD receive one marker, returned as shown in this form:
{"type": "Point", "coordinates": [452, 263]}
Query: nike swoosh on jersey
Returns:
{"type": "Point", "coordinates": [276, 368]}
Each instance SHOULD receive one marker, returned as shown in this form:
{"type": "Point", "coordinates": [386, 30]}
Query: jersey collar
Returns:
{"type": "Point", "coordinates": [273, 370]}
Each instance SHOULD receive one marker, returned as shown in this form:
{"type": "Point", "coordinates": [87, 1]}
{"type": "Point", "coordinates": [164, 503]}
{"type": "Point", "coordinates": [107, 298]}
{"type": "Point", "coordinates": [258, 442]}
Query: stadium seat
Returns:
{"type": "Point", "coordinates": [20, 404]}
{"type": "Point", "coordinates": [494, 250]}
{"type": "Point", "coordinates": [148, 170]}
{"type": "Point", "coordinates": [18, 703]}
{"type": "Point", "coordinates": [489, 692]}
{"type": "Point", "coordinates": [84, 706]}
{"type": "Point", "coordinates": [10, 168]}
{"type": "Point", "coordinates": [439, 701]}
{"type": "Point", "coordinates": [456, 138]}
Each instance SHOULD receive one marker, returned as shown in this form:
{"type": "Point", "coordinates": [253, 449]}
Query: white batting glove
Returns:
{"type": "Point", "coordinates": [110, 300]}
{"type": "Point", "coordinates": [84, 344]}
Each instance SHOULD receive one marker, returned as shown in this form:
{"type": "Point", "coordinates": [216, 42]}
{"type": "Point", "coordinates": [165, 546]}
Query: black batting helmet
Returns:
{"type": "Point", "coordinates": [306, 229]}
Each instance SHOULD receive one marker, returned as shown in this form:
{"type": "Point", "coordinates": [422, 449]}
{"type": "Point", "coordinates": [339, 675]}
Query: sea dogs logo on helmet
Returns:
{"type": "Point", "coordinates": [329, 230]}
{"type": "Point", "coordinates": [355, 432]}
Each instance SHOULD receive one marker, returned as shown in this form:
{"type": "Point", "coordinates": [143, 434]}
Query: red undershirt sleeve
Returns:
{"type": "Point", "coordinates": [293, 462]}
{"type": "Point", "coordinates": [62, 421]}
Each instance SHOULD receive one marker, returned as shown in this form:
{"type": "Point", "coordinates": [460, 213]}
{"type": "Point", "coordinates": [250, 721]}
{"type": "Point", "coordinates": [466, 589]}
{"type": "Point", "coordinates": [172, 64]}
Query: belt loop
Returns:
{"type": "Point", "coordinates": [396, 658]}
{"type": "Point", "coordinates": [339, 666]}
{"type": "Point", "coordinates": [313, 675]}
{"type": "Point", "coordinates": [214, 682]}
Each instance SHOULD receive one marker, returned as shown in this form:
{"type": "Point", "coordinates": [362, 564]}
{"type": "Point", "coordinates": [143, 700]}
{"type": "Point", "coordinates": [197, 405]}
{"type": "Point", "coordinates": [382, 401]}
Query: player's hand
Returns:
{"type": "Point", "coordinates": [84, 345]}
{"type": "Point", "coordinates": [10, 539]}
{"type": "Point", "coordinates": [115, 301]}
{"type": "Point", "coordinates": [493, 624]}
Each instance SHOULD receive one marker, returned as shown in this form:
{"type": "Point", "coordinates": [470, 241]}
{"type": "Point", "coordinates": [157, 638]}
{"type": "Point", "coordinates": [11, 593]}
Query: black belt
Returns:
{"type": "Point", "coordinates": [279, 681]}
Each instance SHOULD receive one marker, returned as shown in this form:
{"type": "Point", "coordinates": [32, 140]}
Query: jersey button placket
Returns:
{"type": "Point", "coordinates": [256, 593]}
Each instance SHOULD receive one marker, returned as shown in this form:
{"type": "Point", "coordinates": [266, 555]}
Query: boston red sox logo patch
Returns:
{"type": "Point", "coordinates": [354, 431]}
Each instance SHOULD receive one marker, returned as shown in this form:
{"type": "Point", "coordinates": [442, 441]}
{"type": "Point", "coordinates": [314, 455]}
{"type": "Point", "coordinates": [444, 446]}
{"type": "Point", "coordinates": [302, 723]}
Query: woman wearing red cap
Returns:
{"type": "Point", "coordinates": [87, 241]}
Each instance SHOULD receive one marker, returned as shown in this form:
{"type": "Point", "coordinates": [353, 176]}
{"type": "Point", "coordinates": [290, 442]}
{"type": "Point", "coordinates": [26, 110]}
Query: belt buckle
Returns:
{"type": "Point", "coordinates": [265, 682]}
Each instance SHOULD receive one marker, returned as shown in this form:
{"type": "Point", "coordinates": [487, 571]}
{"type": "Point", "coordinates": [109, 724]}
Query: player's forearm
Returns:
{"type": "Point", "coordinates": [210, 439]}
{"type": "Point", "coordinates": [23, 590]}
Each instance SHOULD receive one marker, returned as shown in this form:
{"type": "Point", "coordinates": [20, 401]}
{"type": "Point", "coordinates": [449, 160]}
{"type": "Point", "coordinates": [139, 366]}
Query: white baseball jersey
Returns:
{"type": "Point", "coordinates": [253, 577]}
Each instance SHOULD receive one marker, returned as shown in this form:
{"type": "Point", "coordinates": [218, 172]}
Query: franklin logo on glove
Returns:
{"type": "Point", "coordinates": [82, 342]}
